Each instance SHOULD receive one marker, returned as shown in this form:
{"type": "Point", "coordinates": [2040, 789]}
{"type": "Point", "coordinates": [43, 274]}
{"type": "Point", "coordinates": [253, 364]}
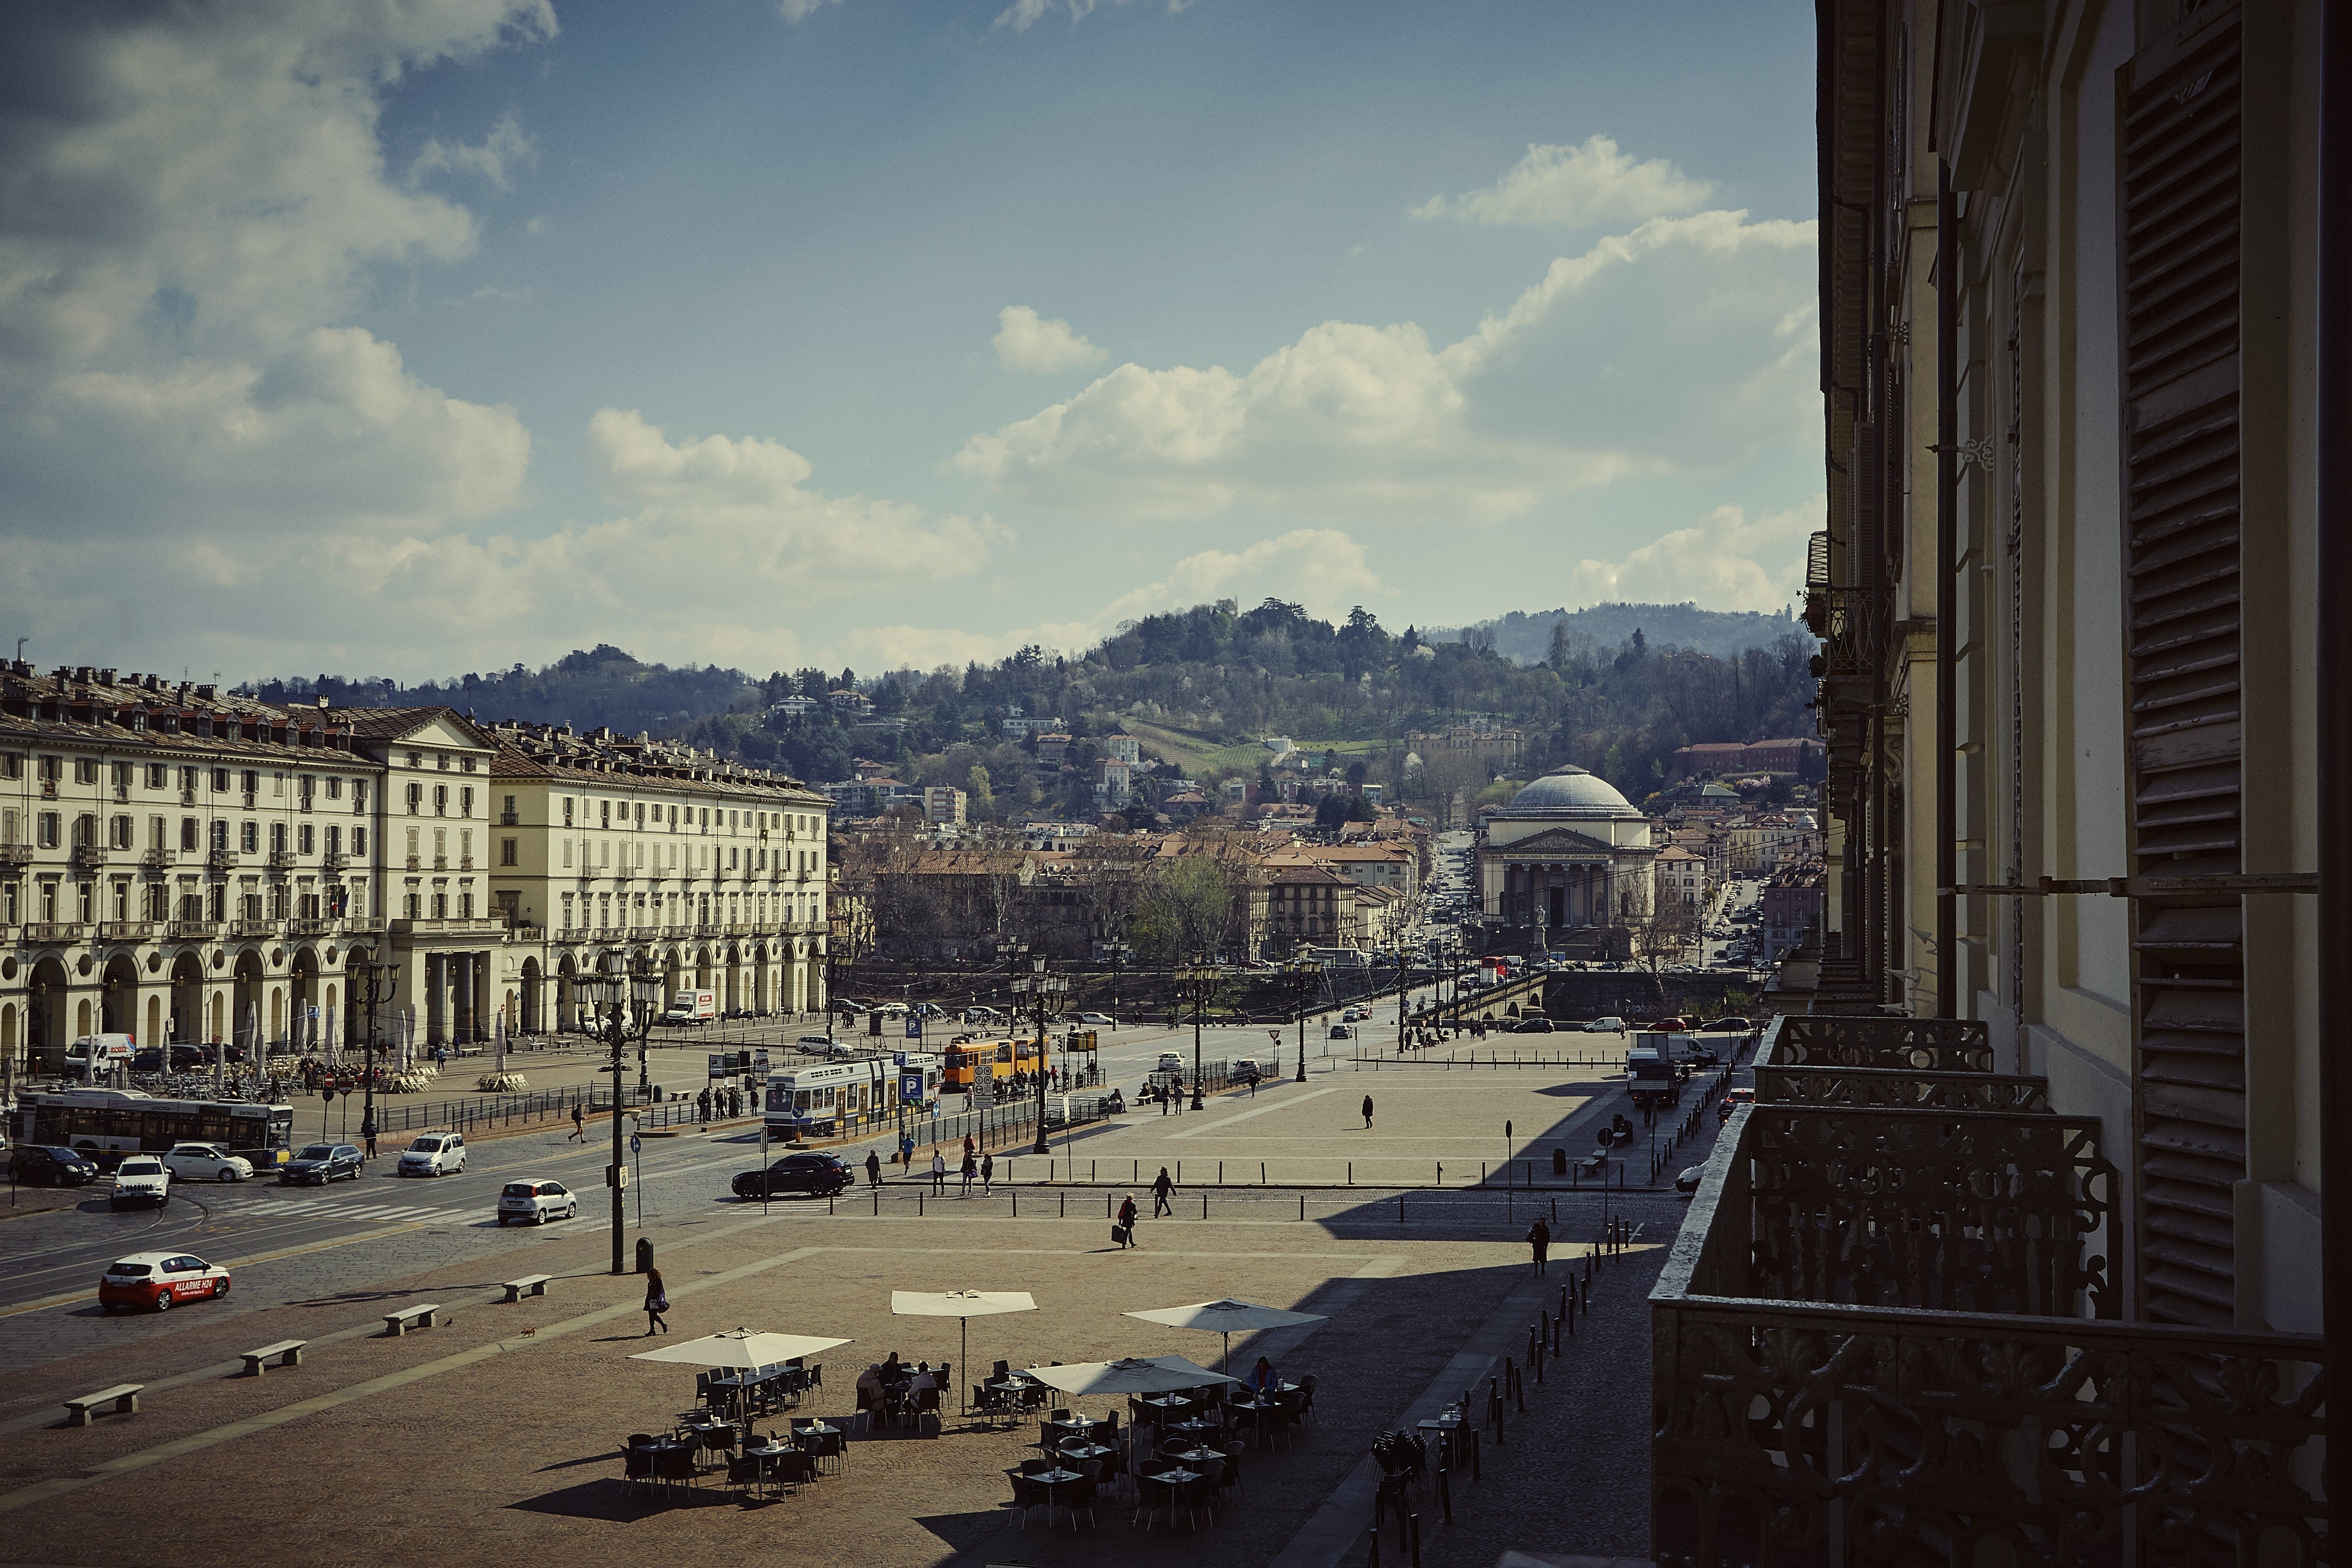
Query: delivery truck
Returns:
{"type": "Point", "coordinates": [695, 1008]}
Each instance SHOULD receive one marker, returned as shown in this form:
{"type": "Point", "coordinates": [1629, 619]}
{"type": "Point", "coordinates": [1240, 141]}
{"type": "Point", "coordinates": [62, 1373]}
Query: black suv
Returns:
{"type": "Point", "coordinates": [316, 1164]}
{"type": "Point", "coordinates": [47, 1166]}
{"type": "Point", "coordinates": [818, 1174]}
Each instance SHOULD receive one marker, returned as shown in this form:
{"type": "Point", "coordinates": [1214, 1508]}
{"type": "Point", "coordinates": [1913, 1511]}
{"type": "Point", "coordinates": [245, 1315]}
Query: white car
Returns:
{"type": "Point", "coordinates": [536, 1202]}
{"type": "Point", "coordinates": [1102, 1020]}
{"type": "Point", "coordinates": [140, 1179]}
{"type": "Point", "coordinates": [1609, 1025]}
{"type": "Point", "coordinates": [1170, 1062]}
{"type": "Point", "coordinates": [434, 1154]}
{"type": "Point", "coordinates": [207, 1162]}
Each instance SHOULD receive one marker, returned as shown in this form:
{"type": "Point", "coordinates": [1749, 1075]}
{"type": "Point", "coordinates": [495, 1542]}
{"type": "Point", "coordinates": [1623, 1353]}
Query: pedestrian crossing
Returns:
{"type": "Point", "coordinates": [340, 1208]}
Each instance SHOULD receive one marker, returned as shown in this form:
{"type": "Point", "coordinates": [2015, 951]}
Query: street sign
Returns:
{"type": "Point", "coordinates": [910, 1086]}
{"type": "Point", "coordinates": [637, 1143]}
{"type": "Point", "coordinates": [760, 1064]}
{"type": "Point", "coordinates": [914, 1027]}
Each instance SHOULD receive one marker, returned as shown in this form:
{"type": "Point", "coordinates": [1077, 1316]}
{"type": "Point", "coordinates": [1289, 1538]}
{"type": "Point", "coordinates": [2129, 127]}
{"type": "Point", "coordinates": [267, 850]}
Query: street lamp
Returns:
{"type": "Point", "coordinates": [1044, 987]}
{"type": "Point", "coordinates": [628, 1015]}
{"type": "Point", "coordinates": [1306, 973]}
{"type": "Point", "coordinates": [379, 980]}
{"type": "Point", "coordinates": [1197, 980]}
{"type": "Point", "coordinates": [1118, 953]}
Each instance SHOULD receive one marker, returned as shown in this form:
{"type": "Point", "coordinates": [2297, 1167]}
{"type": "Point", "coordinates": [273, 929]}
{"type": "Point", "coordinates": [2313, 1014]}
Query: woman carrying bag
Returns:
{"type": "Point", "coordinates": [657, 1302]}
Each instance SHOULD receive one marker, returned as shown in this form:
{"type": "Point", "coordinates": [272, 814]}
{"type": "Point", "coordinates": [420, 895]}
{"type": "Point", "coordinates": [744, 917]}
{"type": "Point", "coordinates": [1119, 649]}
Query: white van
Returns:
{"type": "Point", "coordinates": [434, 1154]}
{"type": "Point", "coordinates": [692, 1007]}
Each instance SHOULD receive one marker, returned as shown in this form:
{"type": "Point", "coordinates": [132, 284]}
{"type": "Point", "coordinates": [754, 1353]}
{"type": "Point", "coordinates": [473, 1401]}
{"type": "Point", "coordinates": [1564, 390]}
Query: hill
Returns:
{"type": "Point", "coordinates": [1527, 636]}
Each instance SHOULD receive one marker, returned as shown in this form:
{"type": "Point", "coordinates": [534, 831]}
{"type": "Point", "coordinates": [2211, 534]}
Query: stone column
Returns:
{"type": "Point", "coordinates": [433, 1018]}
{"type": "Point", "coordinates": [486, 992]}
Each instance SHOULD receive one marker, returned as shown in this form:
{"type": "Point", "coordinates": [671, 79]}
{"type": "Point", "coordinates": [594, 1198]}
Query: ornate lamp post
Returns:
{"type": "Point", "coordinates": [1196, 980]}
{"type": "Point", "coordinates": [628, 1015]}
{"type": "Point", "coordinates": [379, 979]}
{"type": "Point", "coordinates": [1118, 953]}
{"type": "Point", "coordinates": [1306, 973]}
{"type": "Point", "coordinates": [1044, 987]}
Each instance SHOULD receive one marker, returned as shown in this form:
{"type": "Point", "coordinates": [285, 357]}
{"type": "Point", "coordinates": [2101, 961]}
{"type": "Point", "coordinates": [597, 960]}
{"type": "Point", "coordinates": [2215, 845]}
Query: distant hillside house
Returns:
{"type": "Point", "coordinates": [1806, 759]}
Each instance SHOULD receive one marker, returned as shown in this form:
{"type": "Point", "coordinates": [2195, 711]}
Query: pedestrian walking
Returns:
{"type": "Point", "coordinates": [907, 1152]}
{"type": "Point", "coordinates": [367, 1131]}
{"type": "Point", "coordinates": [1160, 1188]}
{"type": "Point", "coordinates": [702, 1105]}
{"type": "Point", "coordinates": [1368, 1113]}
{"type": "Point", "coordinates": [578, 1125]}
{"type": "Point", "coordinates": [656, 1303]}
{"type": "Point", "coordinates": [1540, 1241]}
{"type": "Point", "coordinates": [938, 1172]}
{"type": "Point", "coordinates": [987, 1173]}
{"type": "Point", "coordinates": [970, 1148]}
{"type": "Point", "coordinates": [1123, 1232]}
{"type": "Point", "coordinates": [873, 1169]}
{"type": "Point", "coordinates": [970, 1173]}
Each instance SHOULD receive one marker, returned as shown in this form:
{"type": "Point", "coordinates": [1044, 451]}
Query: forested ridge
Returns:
{"type": "Point", "coordinates": [1188, 682]}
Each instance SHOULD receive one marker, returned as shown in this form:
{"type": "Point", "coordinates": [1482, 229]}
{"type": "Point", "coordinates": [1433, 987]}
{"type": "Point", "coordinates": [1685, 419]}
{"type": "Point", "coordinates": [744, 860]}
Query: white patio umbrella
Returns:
{"type": "Point", "coordinates": [964, 1304]}
{"type": "Point", "coordinates": [740, 1348]}
{"type": "Point", "coordinates": [498, 1034]}
{"type": "Point", "coordinates": [1128, 1374]}
{"type": "Point", "coordinates": [1227, 1318]}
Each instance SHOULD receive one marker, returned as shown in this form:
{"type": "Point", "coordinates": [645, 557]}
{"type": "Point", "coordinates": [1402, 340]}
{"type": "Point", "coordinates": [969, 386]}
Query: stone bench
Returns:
{"type": "Point", "coordinates": [124, 1396]}
{"type": "Point", "coordinates": [286, 1352]}
{"type": "Point", "coordinates": [534, 1284]}
{"type": "Point", "coordinates": [396, 1324]}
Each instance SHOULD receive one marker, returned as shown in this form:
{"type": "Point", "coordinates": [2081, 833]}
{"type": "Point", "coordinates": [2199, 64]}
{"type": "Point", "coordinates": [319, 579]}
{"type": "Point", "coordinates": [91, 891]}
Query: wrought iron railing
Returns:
{"type": "Point", "coordinates": [1854, 1088]}
{"type": "Point", "coordinates": [1902, 1045]}
{"type": "Point", "coordinates": [1789, 1432]}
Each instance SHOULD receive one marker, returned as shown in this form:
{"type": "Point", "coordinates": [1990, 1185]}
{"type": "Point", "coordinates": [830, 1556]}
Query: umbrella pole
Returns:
{"type": "Point", "coordinates": [963, 1399]}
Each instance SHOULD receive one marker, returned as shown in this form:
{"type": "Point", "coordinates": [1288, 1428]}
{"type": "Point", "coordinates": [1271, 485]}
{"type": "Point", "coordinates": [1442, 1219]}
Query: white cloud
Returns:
{"type": "Point", "coordinates": [1725, 562]}
{"type": "Point", "coordinates": [1650, 351]}
{"type": "Point", "coordinates": [1023, 14]}
{"type": "Point", "coordinates": [1575, 186]}
{"type": "Point", "coordinates": [801, 10]}
{"type": "Point", "coordinates": [1042, 347]}
{"type": "Point", "coordinates": [493, 158]}
{"type": "Point", "coordinates": [189, 213]}
{"type": "Point", "coordinates": [1322, 568]}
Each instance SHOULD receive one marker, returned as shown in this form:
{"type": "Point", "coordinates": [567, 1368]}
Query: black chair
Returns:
{"type": "Point", "coordinates": [1003, 1369]}
{"type": "Point", "coordinates": [1307, 1397]}
{"type": "Point", "coordinates": [675, 1467]}
{"type": "Point", "coordinates": [822, 1446]}
{"type": "Point", "coordinates": [745, 1474]}
{"type": "Point", "coordinates": [1077, 1495]}
{"type": "Point", "coordinates": [1026, 1495]}
{"type": "Point", "coordinates": [1212, 1474]}
{"type": "Point", "coordinates": [636, 1467]}
{"type": "Point", "coordinates": [1153, 1494]}
{"type": "Point", "coordinates": [1230, 1477]}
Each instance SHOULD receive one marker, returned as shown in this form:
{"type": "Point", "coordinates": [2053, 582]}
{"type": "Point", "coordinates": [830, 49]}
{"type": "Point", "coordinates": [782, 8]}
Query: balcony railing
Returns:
{"type": "Point", "coordinates": [157, 860]}
{"type": "Point", "coordinates": [222, 860]}
{"type": "Point", "coordinates": [193, 931]}
{"type": "Point", "coordinates": [281, 860]}
{"type": "Point", "coordinates": [16, 854]}
{"type": "Point", "coordinates": [254, 927]}
{"type": "Point", "coordinates": [126, 931]}
{"type": "Point", "coordinates": [53, 932]}
{"type": "Point", "coordinates": [334, 860]}
{"type": "Point", "coordinates": [310, 925]}
{"type": "Point", "coordinates": [1887, 1334]}
{"type": "Point", "coordinates": [88, 856]}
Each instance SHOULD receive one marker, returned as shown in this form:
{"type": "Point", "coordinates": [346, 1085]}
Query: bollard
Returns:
{"type": "Point", "coordinates": [1302, 1207]}
{"type": "Point", "coordinates": [1066, 1205]}
{"type": "Point", "coordinates": [1444, 1495]}
{"type": "Point", "coordinates": [1414, 1521]}
{"type": "Point", "coordinates": [1016, 1202]}
{"type": "Point", "coordinates": [1374, 1561]}
{"type": "Point", "coordinates": [877, 1202]}
{"type": "Point", "coordinates": [919, 1204]}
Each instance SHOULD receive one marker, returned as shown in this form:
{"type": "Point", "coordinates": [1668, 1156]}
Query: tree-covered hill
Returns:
{"type": "Point", "coordinates": [1527, 636]}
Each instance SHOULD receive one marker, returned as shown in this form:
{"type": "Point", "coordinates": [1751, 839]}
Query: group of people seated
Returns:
{"type": "Point", "coordinates": [890, 1388]}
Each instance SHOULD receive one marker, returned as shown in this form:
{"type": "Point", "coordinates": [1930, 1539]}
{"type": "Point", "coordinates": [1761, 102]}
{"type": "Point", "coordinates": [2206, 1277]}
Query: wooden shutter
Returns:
{"type": "Point", "coordinates": [2180, 157]}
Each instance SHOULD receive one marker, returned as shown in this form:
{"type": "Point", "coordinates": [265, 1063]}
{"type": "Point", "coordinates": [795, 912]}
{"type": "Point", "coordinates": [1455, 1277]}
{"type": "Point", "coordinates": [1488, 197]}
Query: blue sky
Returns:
{"type": "Point", "coordinates": [870, 332]}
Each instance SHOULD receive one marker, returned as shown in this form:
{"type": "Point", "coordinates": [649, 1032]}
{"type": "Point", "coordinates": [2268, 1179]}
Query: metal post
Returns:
{"type": "Point", "coordinates": [1947, 611]}
{"type": "Point", "coordinates": [2334, 729]}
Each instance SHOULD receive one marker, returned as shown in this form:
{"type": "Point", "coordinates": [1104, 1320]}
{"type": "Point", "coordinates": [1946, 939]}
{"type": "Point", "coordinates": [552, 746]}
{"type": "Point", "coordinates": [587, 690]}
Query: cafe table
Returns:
{"type": "Point", "coordinates": [1195, 1428]}
{"type": "Point", "coordinates": [1193, 1456]}
{"type": "Point", "coordinates": [785, 1462]}
{"type": "Point", "coordinates": [1052, 1480]}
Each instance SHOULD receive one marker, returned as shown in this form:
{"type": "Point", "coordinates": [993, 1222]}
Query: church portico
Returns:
{"type": "Point", "coordinates": [1567, 854]}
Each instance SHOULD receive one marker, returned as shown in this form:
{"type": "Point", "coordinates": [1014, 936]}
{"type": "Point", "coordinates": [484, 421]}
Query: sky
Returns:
{"type": "Point", "coordinates": [382, 338]}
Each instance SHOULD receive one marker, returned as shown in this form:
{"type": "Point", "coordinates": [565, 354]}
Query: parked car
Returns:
{"type": "Point", "coordinates": [1731, 1025]}
{"type": "Point", "coordinates": [156, 1281]}
{"type": "Point", "coordinates": [140, 1179]}
{"type": "Point", "coordinates": [537, 1201]}
{"type": "Point", "coordinates": [434, 1154]}
{"type": "Point", "coordinates": [1339, 1032]}
{"type": "Point", "coordinates": [1535, 1024]}
{"type": "Point", "coordinates": [1245, 1070]}
{"type": "Point", "coordinates": [207, 1162]}
{"type": "Point", "coordinates": [1612, 1024]}
{"type": "Point", "coordinates": [814, 1171]}
{"type": "Point", "coordinates": [316, 1164]}
{"type": "Point", "coordinates": [54, 1165]}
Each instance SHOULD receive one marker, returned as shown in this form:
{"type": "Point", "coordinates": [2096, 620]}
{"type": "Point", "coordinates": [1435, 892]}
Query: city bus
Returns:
{"type": "Point", "coordinates": [999, 1059]}
{"type": "Point", "coordinates": [106, 1123]}
{"type": "Point", "coordinates": [841, 1097]}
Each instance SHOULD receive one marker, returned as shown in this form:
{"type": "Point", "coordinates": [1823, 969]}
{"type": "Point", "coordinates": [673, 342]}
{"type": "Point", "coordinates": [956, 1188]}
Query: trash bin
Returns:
{"type": "Point", "coordinates": [1560, 1162]}
{"type": "Point", "coordinates": [645, 1255]}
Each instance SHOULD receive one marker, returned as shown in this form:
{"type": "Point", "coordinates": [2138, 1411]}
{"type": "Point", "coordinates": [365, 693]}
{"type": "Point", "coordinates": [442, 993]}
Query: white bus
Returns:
{"type": "Point", "coordinates": [106, 1124]}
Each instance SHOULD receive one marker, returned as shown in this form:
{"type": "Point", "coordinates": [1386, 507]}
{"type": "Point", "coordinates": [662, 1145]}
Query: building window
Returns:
{"type": "Point", "coordinates": [440, 899]}
{"type": "Point", "coordinates": [440, 800]}
{"type": "Point", "coordinates": [359, 794]}
{"type": "Point", "coordinates": [467, 763]}
{"type": "Point", "coordinates": [304, 841]}
{"type": "Point", "coordinates": [466, 801]}
{"type": "Point", "coordinates": [188, 834]}
{"type": "Point", "coordinates": [567, 810]}
{"type": "Point", "coordinates": [85, 770]}
{"type": "Point", "coordinates": [278, 838]}
{"type": "Point", "coordinates": [412, 844]}
{"type": "Point", "coordinates": [47, 827]}
{"type": "Point", "coordinates": [466, 905]}
{"type": "Point", "coordinates": [567, 854]}
{"type": "Point", "coordinates": [465, 844]}
{"type": "Point", "coordinates": [441, 761]}
{"type": "Point", "coordinates": [440, 845]}
{"type": "Point", "coordinates": [119, 832]}
{"type": "Point", "coordinates": [416, 794]}
{"type": "Point", "coordinates": [507, 852]}
{"type": "Point", "coordinates": [359, 841]}
{"type": "Point", "coordinates": [249, 838]}
{"type": "Point", "coordinates": [158, 776]}
{"type": "Point", "coordinates": [411, 903]}
{"type": "Point", "coordinates": [334, 789]}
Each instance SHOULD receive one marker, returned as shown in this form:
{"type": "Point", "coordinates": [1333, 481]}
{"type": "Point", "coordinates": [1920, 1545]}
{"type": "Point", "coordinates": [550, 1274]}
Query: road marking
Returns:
{"type": "Point", "coordinates": [1283, 1104]}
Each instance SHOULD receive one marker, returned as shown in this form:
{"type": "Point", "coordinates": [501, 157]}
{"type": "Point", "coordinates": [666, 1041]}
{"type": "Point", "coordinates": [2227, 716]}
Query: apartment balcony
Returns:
{"type": "Point", "coordinates": [254, 930]}
{"type": "Point", "coordinates": [440, 862]}
{"type": "Point", "coordinates": [193, 931]}
{"type": "Point", "coordinates": [414, 863]}
{"type": "Point", "coordinates": [53, 933]}
{"type": "Point", "coordinates": [126, 931]}
{"type": "Point", "coordinates": [334, 860]}
{"type": "Point", "coordinates": [222, 860]}
{"type": "Point", "coordinates": [1889, 1331]}
{"type": "Point", "coordinates": [454, 925]}
{"type": "Point", "coordinates": [88, 856]}
{"type": "Point", "coordinates": [159, 859]}
{"type": "Point", "coordinates": [314, 925]}
{"type": "Point", "coordinates": [12, 855]}
{"type": "Point", "coordinates": [281, 860]}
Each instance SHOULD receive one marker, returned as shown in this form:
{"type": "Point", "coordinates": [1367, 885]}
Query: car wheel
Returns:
{"type": "Point", "coordinates": [225, 1175]}
{"type": "Point", "coordinates": [502, 1222]}
{"type": "Point", "coordinates": [164, 1300]}
{"type": "Point", "coordinates": [105, 1308]}
{"type": "Point", "coordinates": [220, 1289]}
{"type": "Point", "coordinates": [571, 1213]}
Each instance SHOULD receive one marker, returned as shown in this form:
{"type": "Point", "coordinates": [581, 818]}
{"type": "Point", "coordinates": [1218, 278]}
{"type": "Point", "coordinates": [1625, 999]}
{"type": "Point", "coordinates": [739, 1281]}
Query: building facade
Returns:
{"type": "Point", "coordinates": [1568, 851]}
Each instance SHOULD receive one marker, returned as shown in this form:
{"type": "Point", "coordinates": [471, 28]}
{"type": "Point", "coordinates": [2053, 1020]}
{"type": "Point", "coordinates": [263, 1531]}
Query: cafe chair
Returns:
{"type": "Point", "coordinates": [1153, 1494]}
{"type": "Point", "coordinates": [1212, 1474]}
{"type": "Point", "coordinates": [1026, 1495]}
{"type": "Point", "coordinates": [1080, 1494]}
{"type": "Point", "coordinates": [637, 1466]}
{"type": "Point", "coordinates": [1003, 1369]}
{"type": "Point", "coordinates": [675, 1467]}
{"type": "Point", "coordinates": [1307, 1397]}
{"type": "Point", "coordinates": [1230, 1481]}
{"type": "Point", "coordinates": [745, 1475]}
{"type": "Point", "coordinates": [822, 1446]}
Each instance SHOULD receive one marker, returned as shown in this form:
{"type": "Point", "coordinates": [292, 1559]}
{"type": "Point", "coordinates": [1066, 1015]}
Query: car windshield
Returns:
{"type": "Point", "coordinates": [520, 1189]}
{"type": "Point", "coordinates": [141, 1168]}
{"type": "Point", "coordinates": [129, 1269]}
{"type": "Point", "coordinates": [317, 1151]}
{"type": "Point", "coordinates": [425, 1146]}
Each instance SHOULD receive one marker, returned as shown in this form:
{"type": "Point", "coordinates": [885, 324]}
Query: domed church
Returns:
{"type": "Point", "coordinates": [1568, 853]}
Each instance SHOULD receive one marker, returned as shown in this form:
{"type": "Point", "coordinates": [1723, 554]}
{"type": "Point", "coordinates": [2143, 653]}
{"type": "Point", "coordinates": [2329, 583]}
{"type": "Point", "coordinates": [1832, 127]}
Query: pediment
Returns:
{"type": "Point", "coordinates": [1554, 841]}
{"type": "Point", "coordinates": [444, 728]}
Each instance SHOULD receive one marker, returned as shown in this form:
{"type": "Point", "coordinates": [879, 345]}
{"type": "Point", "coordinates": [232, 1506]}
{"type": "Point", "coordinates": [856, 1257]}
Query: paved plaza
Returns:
{"type": "Point", "coordinates": [496, 1435]}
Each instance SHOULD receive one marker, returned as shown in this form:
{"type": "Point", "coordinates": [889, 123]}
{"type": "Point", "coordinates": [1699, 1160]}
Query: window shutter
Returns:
{"type": "Point", "coordinates": [2179, 254]}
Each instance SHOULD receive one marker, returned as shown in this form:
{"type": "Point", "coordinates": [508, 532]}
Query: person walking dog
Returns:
{"type": "Point", "coordinates": [657, 1302]}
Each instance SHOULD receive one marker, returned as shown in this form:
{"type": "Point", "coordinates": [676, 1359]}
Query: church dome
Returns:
{"type": "Point", "coordinates": [1571, 792]}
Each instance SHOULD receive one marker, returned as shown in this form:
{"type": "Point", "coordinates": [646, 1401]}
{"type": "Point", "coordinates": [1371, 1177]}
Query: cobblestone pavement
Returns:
{"type": "Point", "coordinates": [495, 1436]}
